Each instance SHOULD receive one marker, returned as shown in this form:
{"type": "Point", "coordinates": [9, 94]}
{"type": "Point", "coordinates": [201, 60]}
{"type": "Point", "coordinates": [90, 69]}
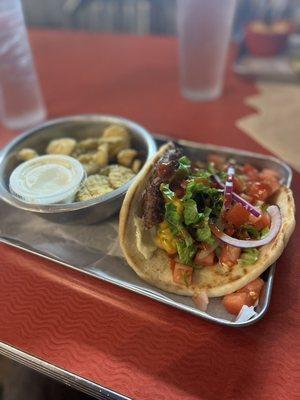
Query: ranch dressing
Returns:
{"type": "Point", "coordinates": [47, 179]}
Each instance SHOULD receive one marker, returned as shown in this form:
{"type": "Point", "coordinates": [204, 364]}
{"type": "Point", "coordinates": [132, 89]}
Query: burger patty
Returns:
{"type": "Point", "coordinates": [152, 201]}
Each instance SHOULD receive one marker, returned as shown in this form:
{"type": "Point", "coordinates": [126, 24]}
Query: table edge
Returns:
{"type": "Point", "coordinates": [53, 371]}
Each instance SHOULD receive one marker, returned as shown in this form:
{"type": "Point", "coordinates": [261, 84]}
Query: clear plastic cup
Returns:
{"type": "Point", "coordinates": [204, 28]}
{"type": "Point", "coordinates": [21, 102]}
{"type": "Point", "coordinates": [49, 179]}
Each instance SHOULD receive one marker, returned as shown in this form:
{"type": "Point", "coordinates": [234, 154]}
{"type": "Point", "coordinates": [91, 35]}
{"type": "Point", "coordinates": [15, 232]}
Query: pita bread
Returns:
{"type": "Point", "coordinates": [214, 280]}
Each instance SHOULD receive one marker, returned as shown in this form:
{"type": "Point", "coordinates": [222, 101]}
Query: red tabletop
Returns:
{"type": "Point", "coordinates": [121, 340]}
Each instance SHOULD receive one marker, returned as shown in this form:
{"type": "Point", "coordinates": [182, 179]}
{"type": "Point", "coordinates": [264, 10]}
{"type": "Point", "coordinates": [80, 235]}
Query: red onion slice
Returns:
{"type": "Point", "coordinates": [201, 300]}
{"type": "Point", "coordinates": [276, 222]}
{"type": "Point", "coordinates": [249, 207]}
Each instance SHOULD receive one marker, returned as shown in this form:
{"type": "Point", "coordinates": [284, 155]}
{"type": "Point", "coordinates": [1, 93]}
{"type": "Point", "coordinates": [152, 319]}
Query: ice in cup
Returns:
{"type": "Point", "coordinates": [204, 28]}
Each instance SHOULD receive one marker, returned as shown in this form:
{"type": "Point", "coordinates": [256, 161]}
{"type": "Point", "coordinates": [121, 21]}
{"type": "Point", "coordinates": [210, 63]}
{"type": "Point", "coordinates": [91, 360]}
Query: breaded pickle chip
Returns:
{"type": "Point", "coordinates": [89, 144]}
{"type": "Point", "coordinates": [101, 156]}
{"type": "Point", "coordinates": [108, 159]}
{"type": "Point", "coordinates": [126, 156]}
{"type": "Point", "coordinates": [136, 165]}
{"type": "Point", "coordinates": [116, 130]}
{"type": "Point", "coordinates": [77, 151]}
{"type": "Point", "coordinates": [64, 146]}
{"type": "Point", "coordinates": [94, 186]}
{"type": "Point", "coordinates": [119, 175]}
{"type": "Point", "coordinates": [115, 144]}
{"type": "Point", "coordinates": [106, 170]}
{"type": "Point", "coordinates": [91, 168]}
{"type": "Point", "coordinates": [26, 154]}
{"type": "Point", "coordinates": [86, 158]}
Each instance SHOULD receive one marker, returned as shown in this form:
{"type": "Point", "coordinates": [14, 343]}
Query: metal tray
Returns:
{"type": "Point", "coordinates": [278, 68]}
{"type": "Point", "coordinates": [94, 250]}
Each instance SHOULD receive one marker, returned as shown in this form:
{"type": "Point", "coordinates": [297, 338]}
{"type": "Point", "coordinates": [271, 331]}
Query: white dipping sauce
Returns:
{"type": "Point", "coordinates": [47, 179]}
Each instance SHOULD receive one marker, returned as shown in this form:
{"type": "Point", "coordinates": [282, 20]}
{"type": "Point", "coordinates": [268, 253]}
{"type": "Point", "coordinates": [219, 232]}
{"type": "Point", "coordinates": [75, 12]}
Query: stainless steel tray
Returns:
{"type": "Point", "coordinates": [278, 68]}
{"type": "Point", "coordinates": [94, 249]}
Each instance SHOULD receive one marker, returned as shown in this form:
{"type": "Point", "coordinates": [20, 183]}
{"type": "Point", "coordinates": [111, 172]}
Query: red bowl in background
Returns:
{"type": "Point", "coordinates": [267, 40]}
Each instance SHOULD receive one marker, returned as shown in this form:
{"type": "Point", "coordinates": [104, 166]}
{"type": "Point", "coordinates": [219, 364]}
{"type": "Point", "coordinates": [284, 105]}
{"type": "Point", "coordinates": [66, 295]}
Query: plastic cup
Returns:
{"type": "Point", "coordinates": [204, 28]}
{"type": "Point", "coordinates": [49, 179]}
{"type": "Point", "coordinates": [21, 101]}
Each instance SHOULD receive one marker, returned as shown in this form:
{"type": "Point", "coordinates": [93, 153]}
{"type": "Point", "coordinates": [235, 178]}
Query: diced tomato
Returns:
{"type": "Point", "coordinates": [237, 215]}
{"type": "Point", "coordinates": [179, 191]}
{"type": "Point", "coordinates": [261, 185]}
{"type": "Point", "coordinates": [270, 178]}
{"type": "Point", "coordinates": [273, 185]}
{"type": "Point", "coordinates": [229, 255]}
{"type": "Point", "coordinates": [253, 288]}
{"type": "Point", "coordinates": [229, 230]}
{"type": "Point", "coordinates": [205, 256]}
{"type": "Point", "coordinates": [182, 274]}
{"type": "Point", "coordinates": [247, 295]}
{"type": "Point", "coordinates": [184, 183]}
{"type": "Point", "coordinates": [202, 258]}
{"type": "Point", "coordinates": [217, 159]}
{"type": "Point", "coordinates": [234, 302]}
{"type": "Point", "coordinates": [259, 191]}
{"type": "Point", "coordinates": [261, 222]}
{"type": "Point", "coordinates": [238, 185]}
{"type": "Point", "coordinates": [267, 173]}
{"type": "Point", "coordinates": [250, 171]}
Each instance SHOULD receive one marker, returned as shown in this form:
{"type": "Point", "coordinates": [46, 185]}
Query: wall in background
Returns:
{"type": "Point", "coordinates": [138, 16]}
{"type": "Point", "coordinates": [131, 16]}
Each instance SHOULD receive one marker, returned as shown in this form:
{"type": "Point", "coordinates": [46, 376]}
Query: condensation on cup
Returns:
{"type": "Point", "coordinates": [204, 29]}
{"type": "Point", "coordinates": [21, 102]}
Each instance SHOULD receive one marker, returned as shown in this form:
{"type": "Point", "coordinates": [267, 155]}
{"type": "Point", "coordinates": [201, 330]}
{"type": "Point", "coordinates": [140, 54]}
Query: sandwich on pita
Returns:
{"type": "Point", "coordinates": [205, 229]}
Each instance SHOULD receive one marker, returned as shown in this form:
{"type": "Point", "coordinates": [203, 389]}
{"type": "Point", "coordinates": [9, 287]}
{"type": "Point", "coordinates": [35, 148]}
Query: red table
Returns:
{"type": "Point", "coordinates": [113, 337]}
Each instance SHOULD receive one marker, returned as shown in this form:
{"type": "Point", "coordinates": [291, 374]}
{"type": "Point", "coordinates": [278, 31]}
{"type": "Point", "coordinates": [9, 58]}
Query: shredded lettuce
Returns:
{"type": "Point", "coordinates": [184, 165]}
{"type": "Point", "coordinates": [173, 217]}
{"type": "Point", "coordinates": [252, 231]}
{"type": "Point", "coordinates": [191, 189]}
{"type": "Point", "coordinates": [190, 213]}
{"type": "Point", "coordinates": [249, 257]}
{"type": "Point", "coordinates": [175, 224]}
{"type": "Point", "coordinates": [203, 234]}
{"type": "Point", "coordinates": [166, 191]}
{"type": "Point", "coordinates": [264, 232]}
{"type": "Point", "coordinates": [200, 203]}
{"type": "Point", "coordinates": [207, 211]}
{"type": "Point", "coordinates": [203, 174]}
{"type": "Point", "coordinates": [211, 168]}
{"type": "Point", "coordinates": [186, 252]}
{"type": "Point", "coordinates": [205, 197]}
{"type": "Point", "coordinates": [223, 176]}
{"type": "Point", "coordinates": [184, 242]}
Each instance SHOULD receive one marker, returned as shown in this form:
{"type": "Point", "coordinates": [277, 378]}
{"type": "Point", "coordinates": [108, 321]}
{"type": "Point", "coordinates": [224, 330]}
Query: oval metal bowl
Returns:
{"type": "Point", "coordinates": [78, 127]}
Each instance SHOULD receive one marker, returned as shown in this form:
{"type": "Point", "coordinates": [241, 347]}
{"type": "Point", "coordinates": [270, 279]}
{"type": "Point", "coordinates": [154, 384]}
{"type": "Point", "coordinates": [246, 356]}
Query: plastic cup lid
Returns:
{"type": "Point", "coordinates": [47, 179]}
